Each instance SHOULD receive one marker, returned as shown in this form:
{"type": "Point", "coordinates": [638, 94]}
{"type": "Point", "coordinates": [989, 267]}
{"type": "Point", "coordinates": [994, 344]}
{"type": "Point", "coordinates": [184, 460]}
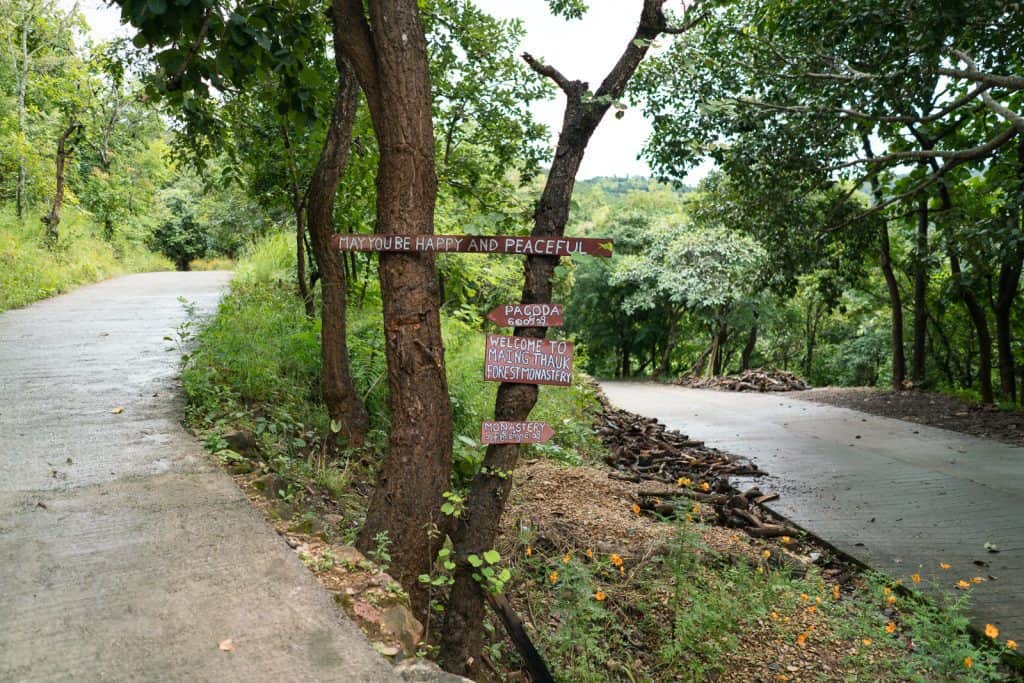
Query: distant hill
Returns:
{"type": "Point", "coordinates": [615, 187]}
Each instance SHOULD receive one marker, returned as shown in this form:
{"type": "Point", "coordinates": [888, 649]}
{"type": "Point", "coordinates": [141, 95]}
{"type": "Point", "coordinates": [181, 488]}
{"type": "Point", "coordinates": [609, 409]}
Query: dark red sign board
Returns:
{"type": "Point", "coordinates": [515, 432]}
{"type": "Point", "coordinates": [524, 360]}
{"type": "Point", "coordinates": [499, 244]}
{"type": "Point", "coordinates": [528, 315]}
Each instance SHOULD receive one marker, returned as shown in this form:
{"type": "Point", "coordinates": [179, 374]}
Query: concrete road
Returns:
{"type": "Point", "coordinates": [125, 554]}
{"type": "Point", "coordinates": [901, 497]}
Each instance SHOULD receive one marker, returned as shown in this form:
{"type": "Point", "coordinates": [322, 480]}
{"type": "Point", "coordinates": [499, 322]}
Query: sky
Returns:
{"type": "Point", "coordinates": [583, 49]}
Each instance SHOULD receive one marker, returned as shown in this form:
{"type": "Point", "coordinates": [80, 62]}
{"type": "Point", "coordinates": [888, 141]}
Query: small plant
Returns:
{"type": "Point", "coordinates": [454, 504]}
{"type": "Point", "coordinates": [490, 578]}
{"type": "Point", "coordinates": [380, 554]}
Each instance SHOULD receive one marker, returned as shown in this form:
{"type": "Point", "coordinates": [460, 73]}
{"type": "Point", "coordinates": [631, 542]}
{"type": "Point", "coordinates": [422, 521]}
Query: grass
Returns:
{"type": "Point", "coordinates": [29, 271]}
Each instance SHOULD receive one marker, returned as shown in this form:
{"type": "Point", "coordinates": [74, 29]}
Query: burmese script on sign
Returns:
{"type": "Point", "coordinates": [515, 432]}
{"type": "Point", "coordinates": [522, 360]}
{"type": "Point", "coordinates": [536, 246]}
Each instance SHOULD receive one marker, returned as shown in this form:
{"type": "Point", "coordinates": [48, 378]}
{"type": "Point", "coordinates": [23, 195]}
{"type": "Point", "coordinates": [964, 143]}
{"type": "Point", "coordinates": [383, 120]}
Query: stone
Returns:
{"type": "Point", "coordinates": [398, 621]}
{"type": "Point", "coordinates": [271, 485]}
{"type": "Point", "coordinates": [425, 671]}
{"type": "Point", "coordinates": [243, 442]}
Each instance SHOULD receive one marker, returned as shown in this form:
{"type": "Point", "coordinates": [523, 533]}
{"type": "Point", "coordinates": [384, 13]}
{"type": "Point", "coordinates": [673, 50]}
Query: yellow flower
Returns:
{"type": "Point", "coordinates": [622, 570]}
{"type": "Point", "coordinates": [812, 609]}
{"type": "Point", "coordinates": [962, 585]}
{"type": "Point", "coordinates": [801, 639]}
{"type": "Point", "coordinates": [886, 590]}
{"type": "Point", "coordinates": [890, 627]}
{"type": "Point", "coordinates": [968, 662]}
{"type": "Point", "coordinates": [781, 677]}
{"type": "Point", "coordinates": [991, 631]}
{"type": "Point", "coordinates": [682, 481]}
{"type": "Point", "coordinates": [817, 600]}
{"type": "Point", "coordinates": [786, 540]}
{"type": "Point", "coordinates": [805, 597]}
{"type": "Point", "coordinates": [977, 579]}
{"type": "Point", "coordinates": [529, 551]}
{"type": "Point", "coordinates": [916, 578]}
{"type": "Point", "coordinates": [566, 558]}
{"type": "Point", "coordinates": [600, 596]}
{"type": "Point", "coordinates": [835, 591]}
{"type": "Point", "coordinates": [553, 576]}
{"type": "Point", "coordinates": [616, 560]}
{"type": "Point", "coordinates": [1011, 644]}
{"type": "Point", "coordinates": [867, 641]}
{"type": "Point", "coordinates": [775, 616]}
{"type": "Point", "coordinates": [590, 554]}
{"type": "Point", "coordinates": [704, 486]}
{"type": "Point", "coordinates": [943, 566]}
{"type": "Point", "coordinates": [891, 600]}
{"type": "Point", "coordinates": [696, 509]}
{"type": "Point", "coordinates": [636, 509]}
{"type": "Point", "coordinates": [766, 554]}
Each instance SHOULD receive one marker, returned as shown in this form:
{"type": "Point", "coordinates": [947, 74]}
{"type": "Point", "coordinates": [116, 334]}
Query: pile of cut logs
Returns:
{"type": "Point", "coordinates": [757, 379]}
{"type": "Point", "coordinates": [684, 471]}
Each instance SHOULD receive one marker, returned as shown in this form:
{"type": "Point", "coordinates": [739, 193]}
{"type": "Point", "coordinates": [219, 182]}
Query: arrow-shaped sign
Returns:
{"type": "Point", "coordinates": [515, 432]}
{"type": "Point", "coordinates": [527, 315]}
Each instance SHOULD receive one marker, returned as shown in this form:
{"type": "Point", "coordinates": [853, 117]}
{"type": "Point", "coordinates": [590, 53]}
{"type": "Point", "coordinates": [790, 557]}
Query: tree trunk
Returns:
{"type": "Point", "coordinates": [1009, 280]}
{"type": "Point", "coordinates": [65, 148]}
{"type": "Point", "coordinates": [390, 61]}
{"type": "Point", "coordinates": [299, 209]}
{"type": "Point", "coordinates": [977, 315]}
{"type": "Point", "coordinates": [670, 342]}
{"type": "Point", "coordinates": [899, 360]}
{"type": "Point", "coordinates": [22, 88]}
{"type": "Point", "coordinates": [917, 373]}
{"type": "Point", "coordinates": [463, 629]}
{"type": "Point", "coordinates": [748, 348]}
{"type": "Point", "coordinates": [339, 394]}
{"type": "Point", "coordinates": [719, 339]}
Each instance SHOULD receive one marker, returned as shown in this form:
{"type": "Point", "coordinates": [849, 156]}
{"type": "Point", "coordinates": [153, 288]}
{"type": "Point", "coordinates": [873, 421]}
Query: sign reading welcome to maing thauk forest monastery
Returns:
{"type": "Point", "coordinates": [517, 360]}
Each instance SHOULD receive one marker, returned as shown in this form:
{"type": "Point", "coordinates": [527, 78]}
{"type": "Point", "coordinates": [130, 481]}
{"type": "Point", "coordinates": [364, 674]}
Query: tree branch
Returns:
{"type": "Point", "coordinates": [548, 71]}
{"type": "Point", "coordinates": [352, 33]}
{"type": "Point", "coordinates": [980, 152]}
{"type": "Point", "coordinates": [174, 81]}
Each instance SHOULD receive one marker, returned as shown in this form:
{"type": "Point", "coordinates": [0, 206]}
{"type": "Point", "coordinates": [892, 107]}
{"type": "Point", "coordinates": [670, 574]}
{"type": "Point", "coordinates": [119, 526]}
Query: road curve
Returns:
{"type": "Point", "coordinates": [901, 497]}
{"type": "Point", "coordinates": [125, 553]}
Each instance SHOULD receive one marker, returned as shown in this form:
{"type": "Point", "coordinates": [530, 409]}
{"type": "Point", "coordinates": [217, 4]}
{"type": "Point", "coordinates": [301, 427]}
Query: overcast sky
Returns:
{"type": "Point", "coordinates": [583, 49]}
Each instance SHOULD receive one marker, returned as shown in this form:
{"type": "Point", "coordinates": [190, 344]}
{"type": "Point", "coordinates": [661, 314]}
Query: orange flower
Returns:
{"type": "Point", "coordinates": [636, 509]}
{"type": "Point", "coordinates": [991, 631]}
{"type": "Point", "coordinates": [704, 486]}
{"type": "Point", "coordinates": [683, 481]}
{"type": "Point", "coordinates": [916, 578]}
{"type": "Point", "coordinates": [968, 662]}
{"type": "Point", "coordinates": [553, 576]}
{"type": "Point", "coordinates": [786, 540]}
{"type": "Point", "coordinates": [600, 596]}
{"type": "Point", "coordinates": [801, 639]}
{"type": "Point", "coordinates": [977, 579]}
{"type": "Point", "coordinates": [774, 616]}
{"type": "Point", "coordinates": [812, 609]}
{"type": "Point", "coordinates": [529, 551]}
{"type": "Point", "coordinates": [616, 560]}
{"type": "Point", "coordinates": [817, 600]}
{"type": "Point", "coordinates": [805, 597]}
{"type": "Point", "coordinates": [943, 566]}
{"type": "Point", "coordinates": [622, 570]}
{"type": "Point", "coordinates": [891, 600]}
{"type": "Point", "coordinates": [835, 591]}
{"type": "Point", "coordinates": [962, 585]}
{"type": "Point", "coordinates": [1011, 644]}
{"type": "Point", "coordinates": [566, 558]}
{"type": "Point", "coordinates": [590, 554]}
{"type": "Point", "coordinates": [890, 627]}
{"type": "Point", "coordinates": [867, 641]}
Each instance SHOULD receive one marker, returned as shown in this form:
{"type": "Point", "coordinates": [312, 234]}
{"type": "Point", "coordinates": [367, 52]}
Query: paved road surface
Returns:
{"type": "Point", "coordinates": [124, 553]}
{"type": "Point", "coordinates": [901, 497]}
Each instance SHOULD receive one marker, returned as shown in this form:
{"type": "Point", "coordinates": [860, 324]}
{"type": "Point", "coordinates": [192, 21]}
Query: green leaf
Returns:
{"type": "Point", "coordinates": [474, 561]}
{"type": "Point", "coordinates": [492, 556]}
{"type": "Point", "coordinates": [447, 509]}
{"type": "Point", "coordinates": [157, 6]}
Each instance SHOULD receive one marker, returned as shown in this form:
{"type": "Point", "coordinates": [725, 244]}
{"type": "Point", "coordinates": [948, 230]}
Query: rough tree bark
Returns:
{"type": "Point", "coordinates": [461, 640]}
{"type": "Point", "coordinates": [899, 360]}
{"type": "Point", "coordinates": [978, 318]}
{"type": "Point", "coordinates": [65, 148]}
{"type": "Point", "coordinates": [1010, 266]}
{"type": "Point", "coordinates": [299, 209]}
{"type": "Point", "coordinates": [388, 53]}
{"type": "Point", "coordinates": [748, 348]}
{"type": "Point", "coordinates": [340, 397]}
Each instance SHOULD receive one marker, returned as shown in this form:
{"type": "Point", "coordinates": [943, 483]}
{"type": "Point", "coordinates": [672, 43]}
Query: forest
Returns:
{"type": "Point", "coordinates": [862, 225]}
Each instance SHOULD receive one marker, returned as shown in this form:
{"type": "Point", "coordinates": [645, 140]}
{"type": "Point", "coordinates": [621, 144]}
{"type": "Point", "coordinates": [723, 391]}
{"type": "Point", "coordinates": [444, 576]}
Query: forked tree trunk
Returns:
{"type": "Point", "coordinates": [463, 627]}
{"type": "Point", "coordinates": [748, 348]}
{"type": "Point", "coordinates": [339, 394]}
{"type": "Point", "coordinates": [387, 50]}
{"type": "Point", "coordinates": [299, 209]}
{"type": "Point", "coordinates": [65, 148]}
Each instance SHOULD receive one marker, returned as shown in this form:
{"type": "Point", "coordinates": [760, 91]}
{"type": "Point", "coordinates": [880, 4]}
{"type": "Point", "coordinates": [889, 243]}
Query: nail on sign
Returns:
{"type": "Point", "coordinates": [515, 432]}
{"type": "Point", "coordinates": [537, 246]}
{"type": "Point", "coordinates": [527, 315]}
{"type": "Point", "coordinates": [524, 360]}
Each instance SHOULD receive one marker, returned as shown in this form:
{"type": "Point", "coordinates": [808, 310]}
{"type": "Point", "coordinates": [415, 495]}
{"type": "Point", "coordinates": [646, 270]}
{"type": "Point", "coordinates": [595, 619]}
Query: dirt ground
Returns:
{"type": "Point", "coordinates": [925, 408]}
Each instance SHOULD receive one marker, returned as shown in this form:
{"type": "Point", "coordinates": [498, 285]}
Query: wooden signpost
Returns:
{"type": "Point", "coordinates": [525, 360]}
{"type": "Point", "coordinates": [515, 432]}
{"type": "Point", "coordinates": [517, 360]}
{"type": "Point", "coordinates": [527, 315]}
{"type": "Point", "coordinates": [475, 244]}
